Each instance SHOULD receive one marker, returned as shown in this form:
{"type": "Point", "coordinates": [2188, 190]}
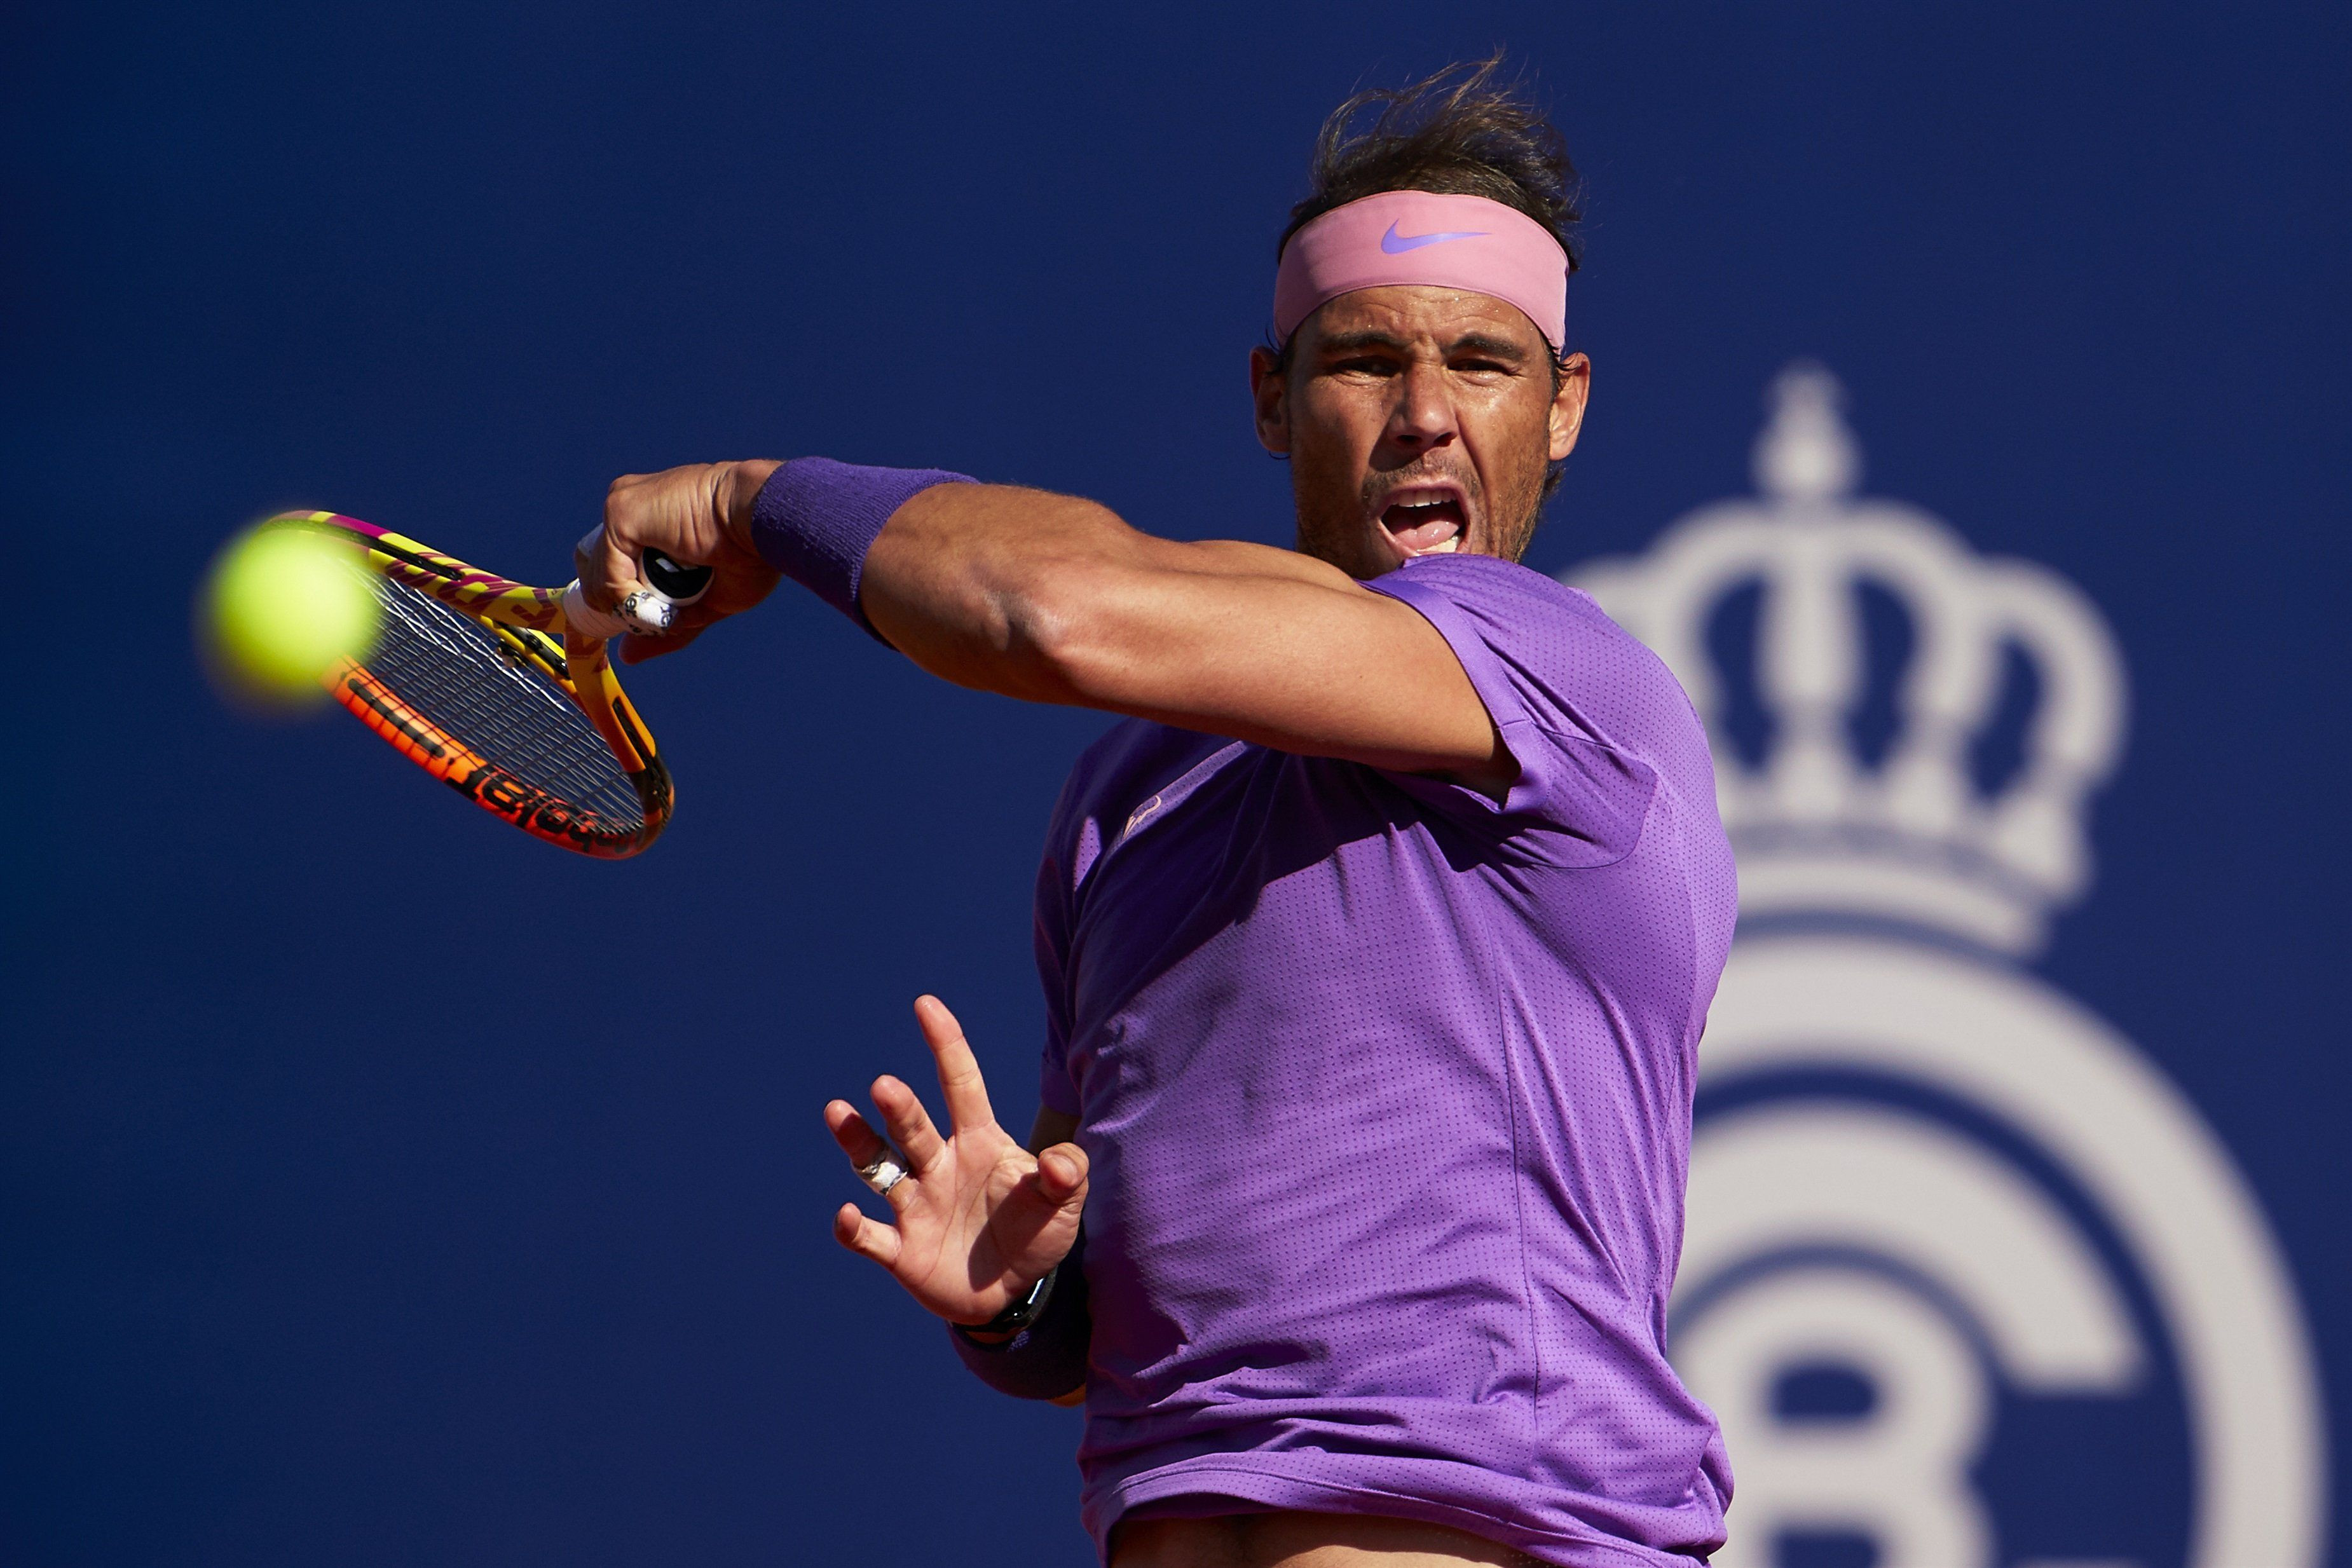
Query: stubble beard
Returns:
{"type": "Point", "coordinates": [1342, 533]}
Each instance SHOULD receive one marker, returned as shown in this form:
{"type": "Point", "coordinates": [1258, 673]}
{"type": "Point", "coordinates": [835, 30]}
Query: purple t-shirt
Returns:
{"type": "Point", "coordinates": [1387, 1087]}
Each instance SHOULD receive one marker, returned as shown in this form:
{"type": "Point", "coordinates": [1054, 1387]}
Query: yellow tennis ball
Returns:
{"type": "Point", "coordinates": [283, 605]}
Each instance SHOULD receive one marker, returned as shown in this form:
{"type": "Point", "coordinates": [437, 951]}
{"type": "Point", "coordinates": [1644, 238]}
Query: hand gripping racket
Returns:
{"type": "Point", "coordinates": [504, 692]}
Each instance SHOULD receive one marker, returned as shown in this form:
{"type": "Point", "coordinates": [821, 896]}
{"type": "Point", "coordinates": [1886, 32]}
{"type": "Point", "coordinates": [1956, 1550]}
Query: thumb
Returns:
{"type": "Point", "coordinates": [1062, 1175]}
{"type": "Point", "coordinates": [1037, 1219]}
{"type": "Point", "coordinates": [604, 566]}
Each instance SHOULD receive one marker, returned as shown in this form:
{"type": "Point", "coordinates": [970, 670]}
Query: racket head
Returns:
{"type": "Point", "coordinates": [473, 681]}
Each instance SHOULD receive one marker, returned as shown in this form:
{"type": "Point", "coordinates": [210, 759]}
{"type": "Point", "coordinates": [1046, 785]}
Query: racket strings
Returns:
{"type": "Point", "coordinates": [451, 670]}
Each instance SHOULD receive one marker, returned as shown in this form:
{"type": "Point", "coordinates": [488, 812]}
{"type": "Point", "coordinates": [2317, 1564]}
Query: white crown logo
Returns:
{"type": "Point", "coordinates": [1818, 828]}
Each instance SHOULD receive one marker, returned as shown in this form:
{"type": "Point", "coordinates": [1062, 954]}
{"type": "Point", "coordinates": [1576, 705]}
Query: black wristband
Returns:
{"type": "Point", "coordinates": [1046, 1359]}
{"type": "Point", "coordinates": [1024, 1309]}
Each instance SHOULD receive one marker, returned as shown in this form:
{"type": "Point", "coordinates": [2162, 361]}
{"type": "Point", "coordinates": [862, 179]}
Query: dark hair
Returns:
{"type": "Point", "coordinates": [1462, 132]}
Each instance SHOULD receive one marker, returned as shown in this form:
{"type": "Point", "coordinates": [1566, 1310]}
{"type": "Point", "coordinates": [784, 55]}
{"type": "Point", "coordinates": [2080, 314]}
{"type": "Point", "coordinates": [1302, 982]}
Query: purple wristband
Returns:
{"type": "Point", "coordinates": [815, 519]}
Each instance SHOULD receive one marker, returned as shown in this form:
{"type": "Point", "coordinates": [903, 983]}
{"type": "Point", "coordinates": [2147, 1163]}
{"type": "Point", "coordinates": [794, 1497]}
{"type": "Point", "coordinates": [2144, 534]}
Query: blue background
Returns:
{"type": "Point", "coordinates": [383, 1186]}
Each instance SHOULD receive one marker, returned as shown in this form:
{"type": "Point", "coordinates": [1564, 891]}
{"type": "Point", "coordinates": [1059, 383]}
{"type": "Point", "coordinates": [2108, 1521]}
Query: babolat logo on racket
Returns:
{"type": "Point", "coordinates": [535, 808]}
{"type": "Point", "coordinates": [1966, 1278]}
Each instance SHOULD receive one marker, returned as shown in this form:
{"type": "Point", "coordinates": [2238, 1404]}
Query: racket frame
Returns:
{"type": "Point", "coordinates": [529, 625]}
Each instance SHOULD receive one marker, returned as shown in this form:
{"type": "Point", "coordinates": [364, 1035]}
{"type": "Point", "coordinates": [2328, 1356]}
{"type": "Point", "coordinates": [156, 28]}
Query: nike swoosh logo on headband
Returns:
{"type": "Point", "coordinates": [1395, 244]}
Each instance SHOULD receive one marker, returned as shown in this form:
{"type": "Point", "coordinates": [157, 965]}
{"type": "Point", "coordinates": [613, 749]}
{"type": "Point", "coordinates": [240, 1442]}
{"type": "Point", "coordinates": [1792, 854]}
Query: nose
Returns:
{"type": "Point", "coordinates": [1424, 417]}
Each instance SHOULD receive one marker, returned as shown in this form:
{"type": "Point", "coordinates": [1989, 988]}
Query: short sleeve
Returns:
{"type": "Point", "coordinates": [1548, 665]}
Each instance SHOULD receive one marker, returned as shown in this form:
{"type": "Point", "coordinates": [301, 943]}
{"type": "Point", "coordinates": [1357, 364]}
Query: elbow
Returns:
{"type": "Point", "coordinates": [1057, 633]}
{"type": "Point", "coordinates": [1032, 604]}
{"type": "Point", "coordinates": [1060, 630]}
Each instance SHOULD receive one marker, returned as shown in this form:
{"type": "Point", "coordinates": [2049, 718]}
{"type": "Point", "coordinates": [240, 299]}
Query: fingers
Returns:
{"type": "Point", "coordinates": [960, 1084]}
{"type": "Point", "coordinates": [1037, 1221]}
{"type": "Point", "coordinates": [851, 1227]}
{"type": "Point", "coordinates": [857, 1137]}
{"type": "Point", "coordinates": [687, 513]}
{"type": "Point", "coordinates": [1050, 1193]}
{"type": "Point", "coordinates": [866, 1237]}
{"type": "Point", "coordinates": [909, 1123]}
{"type": "Point", "coordinates": [606, 562]}
{"type": "Point", "coordinates": [864, 1146]}
{"type": "Point", "coordinates": [692, 622]}
{"type": "Point", "coordinates": [670, 511]}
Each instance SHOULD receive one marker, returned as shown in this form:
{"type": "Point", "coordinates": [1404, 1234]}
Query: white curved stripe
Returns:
{"type": "Point", "coordinates": [1898, 1472]}
{"type": "Point", "coordinates": [1897, 1186]}
{"type": "Point", "coordinates": [2068, 1081]}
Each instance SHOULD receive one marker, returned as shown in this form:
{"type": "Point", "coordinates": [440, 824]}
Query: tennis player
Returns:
{"type": "Point", "coordinates": [1376, 944]}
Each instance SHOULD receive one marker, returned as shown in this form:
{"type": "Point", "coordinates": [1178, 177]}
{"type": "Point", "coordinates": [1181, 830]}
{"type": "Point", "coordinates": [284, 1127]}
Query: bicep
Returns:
{"type": "Point", "coordinates": [1321, 668]}
{"type": "Point", "coordinates": [1053, 599]}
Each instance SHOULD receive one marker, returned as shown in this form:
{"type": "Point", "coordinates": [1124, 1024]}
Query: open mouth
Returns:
{"type": "Point", "coordinates": [1423, 524]}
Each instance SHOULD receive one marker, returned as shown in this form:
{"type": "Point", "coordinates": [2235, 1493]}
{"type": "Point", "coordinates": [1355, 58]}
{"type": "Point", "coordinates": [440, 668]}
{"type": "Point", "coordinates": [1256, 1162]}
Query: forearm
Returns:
{"type": "Point", "coordinates": [960, 569]}
{"type": "Point", "coordinates": [1042, 596]}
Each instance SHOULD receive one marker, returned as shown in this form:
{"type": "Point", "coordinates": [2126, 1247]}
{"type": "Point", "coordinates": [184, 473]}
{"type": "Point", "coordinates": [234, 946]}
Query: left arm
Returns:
{"type": "Point", "coordinates": [1053, 1128]}
{"type": "Point", "coordinates": [977, 1221]}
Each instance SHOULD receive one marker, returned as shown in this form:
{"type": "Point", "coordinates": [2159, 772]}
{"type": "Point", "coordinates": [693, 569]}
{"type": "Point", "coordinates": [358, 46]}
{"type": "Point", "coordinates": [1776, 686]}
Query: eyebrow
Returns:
{"type": "Point", "coordinates": [1494, 348]}
{"type": "Point", "coordinates": [1469, 342]}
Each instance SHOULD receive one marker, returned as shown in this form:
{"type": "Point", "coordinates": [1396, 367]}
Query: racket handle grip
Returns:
{"type": "Point", "coordinates": [649, 611]}
{"type": "Point", "coordinates": [644, 612]}
{"type": "Point", "coordinates": [674, 580]}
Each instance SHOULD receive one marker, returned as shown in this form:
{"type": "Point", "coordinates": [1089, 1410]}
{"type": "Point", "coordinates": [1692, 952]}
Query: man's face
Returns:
{"type": "Point", "coordinates": [1417, 420]}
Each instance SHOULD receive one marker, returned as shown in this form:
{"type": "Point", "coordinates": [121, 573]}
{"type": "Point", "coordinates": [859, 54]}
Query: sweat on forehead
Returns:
{"type": "Point", "coordinates": [1423, 236]}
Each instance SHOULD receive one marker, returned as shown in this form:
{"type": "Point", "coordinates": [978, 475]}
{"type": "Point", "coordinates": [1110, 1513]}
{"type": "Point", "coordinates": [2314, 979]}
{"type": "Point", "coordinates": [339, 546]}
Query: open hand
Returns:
{"type": "Point", "coordinates": [699, 515]}
{"type": "Point", "coordinates": [980, 1220]}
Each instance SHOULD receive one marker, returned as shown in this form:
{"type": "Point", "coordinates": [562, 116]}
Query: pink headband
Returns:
{"type": "Point", "coordinates": [1420, 237]}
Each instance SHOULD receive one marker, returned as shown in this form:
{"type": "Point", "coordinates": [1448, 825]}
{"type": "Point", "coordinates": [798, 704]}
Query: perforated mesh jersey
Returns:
{"type": "Point", "coordinates": [1387, 1087]}
{"type": "Point", "coordinates": [458, 675]}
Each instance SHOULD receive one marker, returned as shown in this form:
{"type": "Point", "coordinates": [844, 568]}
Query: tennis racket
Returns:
{"type": "Point", "coordinates": [504, 692]}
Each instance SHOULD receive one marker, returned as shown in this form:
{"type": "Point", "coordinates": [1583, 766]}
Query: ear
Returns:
{"type": "Point", "coordinates": [1270, 396]}
{"type": "Point", "coordinates": [1568, 404]}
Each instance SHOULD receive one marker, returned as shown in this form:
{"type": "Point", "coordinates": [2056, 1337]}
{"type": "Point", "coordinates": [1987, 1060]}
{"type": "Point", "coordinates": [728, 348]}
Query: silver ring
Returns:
{"type": "Point", "coordinates": [884, 1174]}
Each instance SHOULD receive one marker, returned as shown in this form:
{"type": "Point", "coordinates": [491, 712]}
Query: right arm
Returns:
{"type": "Point", "coordinates": [1053, 599]}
